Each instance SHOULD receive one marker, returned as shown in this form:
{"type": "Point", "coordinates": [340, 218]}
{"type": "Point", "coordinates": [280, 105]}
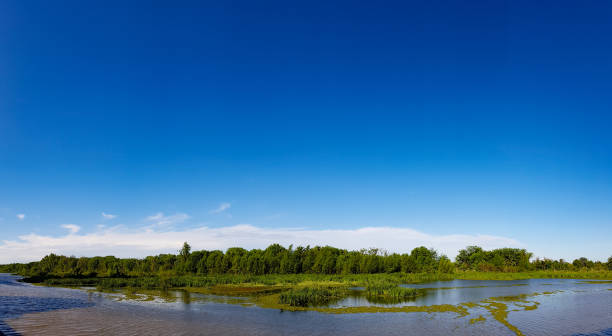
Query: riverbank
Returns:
{"type": "Point", "coordinates": [301, 290]}
{"type": "Point", "coordinates": [256, 281]}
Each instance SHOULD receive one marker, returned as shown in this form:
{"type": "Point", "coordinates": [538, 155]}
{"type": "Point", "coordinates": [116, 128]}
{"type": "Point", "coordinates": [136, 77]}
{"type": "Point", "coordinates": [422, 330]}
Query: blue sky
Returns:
{"type": "Point", "coordinates": [486, 122]}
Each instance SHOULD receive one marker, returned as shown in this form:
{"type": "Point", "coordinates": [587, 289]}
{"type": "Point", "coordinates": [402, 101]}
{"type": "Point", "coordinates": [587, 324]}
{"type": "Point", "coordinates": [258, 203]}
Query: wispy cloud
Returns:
{"type": "Point", "coordinates": [139, 243]}
{"type": "Point", "coordinates": [72, 228]}
{"type": "Point", "coordinates": [222, 207]}
{"type": "Point", "coordinates": [21, 216]}
{"type": "Point", "coordinates": [108, 216]}
{"type": "Point", "coordinates": [161, 220]}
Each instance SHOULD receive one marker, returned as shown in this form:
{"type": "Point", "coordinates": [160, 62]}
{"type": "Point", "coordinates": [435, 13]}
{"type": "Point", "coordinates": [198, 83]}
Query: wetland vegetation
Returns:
{"type": "Point", "coordinates": [302, 276]}
{"type": "Point", "coordinates": [309, 296]}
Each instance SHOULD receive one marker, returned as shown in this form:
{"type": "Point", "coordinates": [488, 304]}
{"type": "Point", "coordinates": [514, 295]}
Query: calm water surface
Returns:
{"type": "Point", "coordinates": [557, 307]}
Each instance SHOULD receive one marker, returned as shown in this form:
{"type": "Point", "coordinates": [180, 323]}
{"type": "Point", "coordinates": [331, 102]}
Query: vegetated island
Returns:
{"type": "Point", "coordinates": [295, 278]}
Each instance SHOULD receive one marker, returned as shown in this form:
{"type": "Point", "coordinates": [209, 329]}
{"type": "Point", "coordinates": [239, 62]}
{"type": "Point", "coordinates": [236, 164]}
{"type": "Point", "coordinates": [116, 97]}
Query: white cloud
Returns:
{"type": "Point", "coordinates": [72, 228]}
{"type": "Point", "coordinates": [160, 220]}
{"type": "Point", "coordinates": [222, 207]}
{"type": "Point", "coordinates": [139, 243]}
{"type": "Point", "coordinates": [21, 216]}
{"type": "Point", "coordinates": [108, 216]}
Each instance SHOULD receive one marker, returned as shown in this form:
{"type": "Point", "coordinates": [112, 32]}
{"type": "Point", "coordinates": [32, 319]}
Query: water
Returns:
{"type": "Point", "coordinates": [459, 291]}
{"type": "Point", "coordinates": [559, 307]}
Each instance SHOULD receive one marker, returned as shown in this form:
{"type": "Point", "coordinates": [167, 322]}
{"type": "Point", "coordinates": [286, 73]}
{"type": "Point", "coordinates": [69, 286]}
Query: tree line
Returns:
{"type": "Point", "coordinates": [277, 259]}
{"type": "Point", "coordinates": [512, 260]}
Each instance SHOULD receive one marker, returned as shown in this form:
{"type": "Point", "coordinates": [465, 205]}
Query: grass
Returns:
{"type": "Point", "coordinates": [310, 296]}
{"type": "Point", "coordinates": [389, 292]}
{"type": "Point", "coordinates": [246, 283]}
{"type": "Point", "coordinates": [208, 281]}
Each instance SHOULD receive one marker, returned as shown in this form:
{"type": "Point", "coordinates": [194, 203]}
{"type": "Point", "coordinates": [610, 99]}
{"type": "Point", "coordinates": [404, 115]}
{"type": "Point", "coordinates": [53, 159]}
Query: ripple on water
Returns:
{"type": "Point", "coordinates": [557, 311]}
{"type": "Point", "coordinates": [13, 305]}
{"type": "Point", "coordinates": [606, 332]}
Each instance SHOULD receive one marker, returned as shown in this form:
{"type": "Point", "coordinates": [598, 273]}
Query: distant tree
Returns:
{"type": "Point", "coordinates": [583, 263]}
{"type": "Point", "coordinates": [424, 259]}
{"type": "Point", "coordinates": [278, 259]}
{"type": "Point", "coordinates": [445, 265]}
{"type": "Point", "coordinates": [470, 257]}
{"type": "Point", "coordinates": [185, 251]}
{"type": "Point", "coordinates": [610, 264]}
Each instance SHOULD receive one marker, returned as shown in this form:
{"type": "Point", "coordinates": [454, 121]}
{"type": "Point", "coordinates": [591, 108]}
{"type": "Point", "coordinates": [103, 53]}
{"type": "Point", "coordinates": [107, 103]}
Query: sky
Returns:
{"type": "Point", "coordinates": [127, 128]}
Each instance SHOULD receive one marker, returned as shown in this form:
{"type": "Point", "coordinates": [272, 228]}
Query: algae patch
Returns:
{"type": "Point", "coordinates": [499, 311]}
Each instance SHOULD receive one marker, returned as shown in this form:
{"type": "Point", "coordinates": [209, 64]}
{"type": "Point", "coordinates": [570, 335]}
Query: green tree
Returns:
{"type": "Point", "coordinates": [425, 259]}
{"type": "Point", "coordinates": [445, 265]}
{"type": "Point", "coordinates": [185, 251]}
{"type": "Point", "coordinates": [470, 257]}
{"type": "Point", "coordinates": [582, 263]}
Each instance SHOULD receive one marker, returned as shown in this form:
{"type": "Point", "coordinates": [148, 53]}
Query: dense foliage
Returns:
{"type": "Point", "coordinates": [504, 259]}
{"type": "Point", "coordinates": [277, 259]}
{"type": "Point", "coordinates": [273, 260]}
{"type": "Point", "coordinates": [518, 260]}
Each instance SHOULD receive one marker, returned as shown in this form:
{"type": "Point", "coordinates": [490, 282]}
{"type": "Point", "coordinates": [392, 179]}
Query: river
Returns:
{"type": "Point", "coordinates": [459, 307]}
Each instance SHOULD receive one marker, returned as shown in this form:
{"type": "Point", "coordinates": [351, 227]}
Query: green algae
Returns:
{"type": "Point", "coordinates": [534, 306]}
{"type": "Point", "coordinates": [479, 319]}
{"type": "Point", "coordinates": [498, 307]}
{"type": "Point", "coordinates": [499, 311]}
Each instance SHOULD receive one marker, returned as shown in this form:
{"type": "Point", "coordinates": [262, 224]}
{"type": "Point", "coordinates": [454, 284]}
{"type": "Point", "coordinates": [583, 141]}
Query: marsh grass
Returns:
{"type": "Point", "coordinates": [259, 283]}
{"type": "Point", "coordinates": [310, 296]}
{"type": "Point", "coordinates": [389, 292]}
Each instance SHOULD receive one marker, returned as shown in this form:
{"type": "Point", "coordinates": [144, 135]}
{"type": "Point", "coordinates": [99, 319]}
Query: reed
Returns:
{"type": "Point", "coordinates": [310, 296]}
{"type": "Point", "coordinates": [391, 292]}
